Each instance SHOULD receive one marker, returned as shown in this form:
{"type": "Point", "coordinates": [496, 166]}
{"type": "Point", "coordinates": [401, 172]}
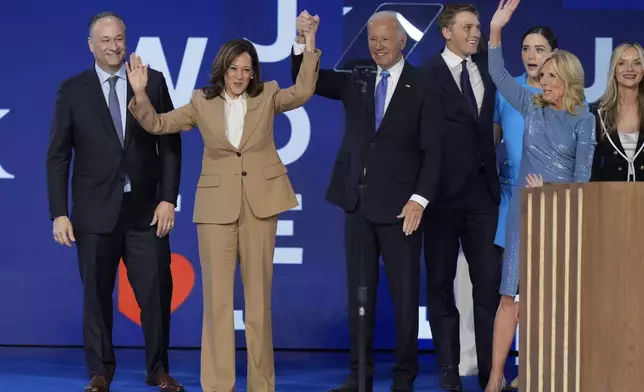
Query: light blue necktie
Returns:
{"type": "Point", "coordinates": [381, 96]}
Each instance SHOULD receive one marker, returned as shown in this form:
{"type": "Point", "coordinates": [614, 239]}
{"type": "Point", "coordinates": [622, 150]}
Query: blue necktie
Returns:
{"type": "Point", "coordinates": [466, 88]}
{"type": "Point", "coordinates": [381, 96]}
{"type": "Point", "coordinates": [115, 108]}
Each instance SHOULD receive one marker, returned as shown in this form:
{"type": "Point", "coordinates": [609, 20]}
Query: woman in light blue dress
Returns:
{"type": "Point", "coordinates": [536, 43]}
{"type": "Point", "coordinates": [558, 147]}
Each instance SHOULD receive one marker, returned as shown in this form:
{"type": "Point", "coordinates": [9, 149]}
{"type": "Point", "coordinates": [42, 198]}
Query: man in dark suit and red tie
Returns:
{"type": "Point", "coordinates": [125, 186]}
{"type": "Point", "coordinates": [466, 209]}
{"type": "Point", "coordinates": [388, 153]}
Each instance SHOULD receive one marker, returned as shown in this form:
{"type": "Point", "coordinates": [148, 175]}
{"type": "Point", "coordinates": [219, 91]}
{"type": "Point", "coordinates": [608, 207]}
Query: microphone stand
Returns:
{"type": "Point", "coordinates": [362, 301]}
{"type": "Point", "coordinates": [362, 294]}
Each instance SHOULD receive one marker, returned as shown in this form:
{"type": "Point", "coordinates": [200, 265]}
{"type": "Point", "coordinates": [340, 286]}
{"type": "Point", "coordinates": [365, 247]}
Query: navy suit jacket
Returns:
{"type": "Point", "coordinates": [398, 160]}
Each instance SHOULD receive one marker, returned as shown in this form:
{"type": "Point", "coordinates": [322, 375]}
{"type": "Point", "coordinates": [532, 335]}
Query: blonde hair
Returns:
{"type": "Point", "coordinates": [568, 67]}
{"type": "Point", "coordinates": [609, 101]}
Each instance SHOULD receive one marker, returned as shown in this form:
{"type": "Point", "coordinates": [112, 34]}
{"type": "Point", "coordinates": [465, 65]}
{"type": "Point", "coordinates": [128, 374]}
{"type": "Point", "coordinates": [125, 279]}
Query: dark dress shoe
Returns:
{"type": "Point", "coordinates": [402, 386]}
{"type": "Point", "coordinates": [98, 384]}
{"type": "Point", "coordinates": [450, 380]}
{"type": "Point", "coordinates": [351, 385]}
{"type": "Point", "coordinates": [396, 389]}
{"type": "Point", "coordinates": [164, 382]}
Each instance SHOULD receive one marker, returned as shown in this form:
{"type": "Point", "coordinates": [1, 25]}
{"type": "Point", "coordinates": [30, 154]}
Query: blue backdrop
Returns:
{"type": "Point", "coordinates": [46, 42]}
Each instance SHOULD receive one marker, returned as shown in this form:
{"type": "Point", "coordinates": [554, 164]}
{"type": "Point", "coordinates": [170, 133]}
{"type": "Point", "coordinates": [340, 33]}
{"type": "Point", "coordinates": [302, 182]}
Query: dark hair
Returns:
{"type": "Point", "coordinates": [447, 15]}
{"type": "Point", "coordinates": [104, 14]}
{"type": "Point", "coordinates": [546, 33]}
{"type": "Point", "coordinates": [227, 53]}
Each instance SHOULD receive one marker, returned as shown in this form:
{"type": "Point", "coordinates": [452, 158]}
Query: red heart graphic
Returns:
{"type": "Point", "coordinates": [183, 280]}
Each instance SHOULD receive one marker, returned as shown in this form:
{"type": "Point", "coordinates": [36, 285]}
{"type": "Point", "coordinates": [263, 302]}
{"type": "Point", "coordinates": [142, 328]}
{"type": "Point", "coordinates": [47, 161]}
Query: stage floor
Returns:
{"type": "Point", "coordinates": [63, 370]}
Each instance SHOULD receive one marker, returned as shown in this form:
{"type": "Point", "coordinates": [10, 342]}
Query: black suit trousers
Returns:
{"type": "Point", "coordinates": [366, 241]}
{"type": "Point", "coordinates": [468, 220]}
{"type": "Point", "coordinates": [147, 259]}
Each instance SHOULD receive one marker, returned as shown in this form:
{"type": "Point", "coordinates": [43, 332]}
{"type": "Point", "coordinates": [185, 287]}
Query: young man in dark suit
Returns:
{"type": "Point", "coordinates": [387, 169]}
{"type": "Point", "coordinates": [125, 186]}
{"type": "Point", "coordinates": [466, 209]}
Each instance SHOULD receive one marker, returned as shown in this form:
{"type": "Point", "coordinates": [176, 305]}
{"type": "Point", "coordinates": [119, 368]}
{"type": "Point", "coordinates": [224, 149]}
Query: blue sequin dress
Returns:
{"type": "Point", "coordinates": [556, 144]}
{"type": "Point", "coordinates": [509, 153]}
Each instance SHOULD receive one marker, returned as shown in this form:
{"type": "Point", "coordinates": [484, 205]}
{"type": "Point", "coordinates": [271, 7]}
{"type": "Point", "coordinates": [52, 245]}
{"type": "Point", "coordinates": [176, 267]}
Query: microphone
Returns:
{"type": "Point", "coordinates": [361, 72]}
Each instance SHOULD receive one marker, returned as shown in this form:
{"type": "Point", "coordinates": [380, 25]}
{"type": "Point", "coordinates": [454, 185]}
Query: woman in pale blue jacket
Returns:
{"type": "Point", "coordinates": [536, 43]}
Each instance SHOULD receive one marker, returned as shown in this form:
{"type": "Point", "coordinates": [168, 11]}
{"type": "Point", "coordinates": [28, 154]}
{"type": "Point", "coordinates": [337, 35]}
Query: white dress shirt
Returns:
{"type": "Point", "coordinates": [453, 62]}
{"type": "Point", "coordinates": [234, 112]}
{"type": "Point", "coordinates": [121, 93]}
{"type": "Point", "coordinates": [394, 75]}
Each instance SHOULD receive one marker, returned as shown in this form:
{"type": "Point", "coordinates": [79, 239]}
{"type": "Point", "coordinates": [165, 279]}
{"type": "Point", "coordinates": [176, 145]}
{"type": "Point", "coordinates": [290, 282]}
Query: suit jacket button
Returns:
{"type": "Point", "coordinates": [614, 152]}
{"type": "Point", "coordinates": [244, 173]}
{"type": "Point", "coordinates": [239, 154]}
{"type": "Point", "coordinates": [619, 168]}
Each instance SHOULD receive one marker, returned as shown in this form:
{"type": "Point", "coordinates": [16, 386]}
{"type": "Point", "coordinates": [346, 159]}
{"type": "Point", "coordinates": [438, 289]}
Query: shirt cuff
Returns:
{"type": "Point", "coordinates": [419, 199]}
{"type": "Point", "coordinates": [298, 49]}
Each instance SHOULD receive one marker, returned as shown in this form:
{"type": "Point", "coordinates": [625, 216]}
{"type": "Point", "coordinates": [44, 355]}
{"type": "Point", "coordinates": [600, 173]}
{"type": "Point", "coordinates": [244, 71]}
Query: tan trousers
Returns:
{"type": "Point", "coordinates": [254, 240]}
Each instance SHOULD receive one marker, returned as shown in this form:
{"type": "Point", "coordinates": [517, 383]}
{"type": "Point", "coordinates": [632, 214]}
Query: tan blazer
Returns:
{"type": "Point", "coordinates": [255, 167]}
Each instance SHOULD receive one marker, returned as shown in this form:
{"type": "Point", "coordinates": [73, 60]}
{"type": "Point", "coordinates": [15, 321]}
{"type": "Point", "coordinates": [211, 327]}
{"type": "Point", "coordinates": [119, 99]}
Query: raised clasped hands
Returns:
{"type": "Point", "coordinates": [504, 13]}
{"type": "Point", "coordinates": [137, 73]}
{"type": "Point", "coordinates": [534, 181]}
{"type": "Point", "coordinates": [307, 25]}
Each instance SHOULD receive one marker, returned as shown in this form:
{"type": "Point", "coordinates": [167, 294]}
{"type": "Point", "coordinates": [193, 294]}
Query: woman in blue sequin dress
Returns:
{"type": "Point", "coordinates": [536, 43]}
{"type": "Point", "coordinates": [558, 147]}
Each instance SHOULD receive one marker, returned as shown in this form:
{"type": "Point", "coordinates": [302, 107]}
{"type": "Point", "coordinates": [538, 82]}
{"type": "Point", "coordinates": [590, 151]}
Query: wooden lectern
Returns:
{"type": "Point", "coordinates": [582, 288]}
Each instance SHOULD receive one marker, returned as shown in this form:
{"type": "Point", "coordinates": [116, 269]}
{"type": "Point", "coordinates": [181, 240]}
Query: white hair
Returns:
{"type": "Point", "coordinates": [391, 15]}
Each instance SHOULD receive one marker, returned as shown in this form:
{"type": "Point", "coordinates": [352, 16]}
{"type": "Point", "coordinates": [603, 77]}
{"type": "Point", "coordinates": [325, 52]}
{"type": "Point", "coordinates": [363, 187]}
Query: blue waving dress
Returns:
{"type": "Point", "coordinates": [511, 121]}
{"type": "Point", "coordinates": [557, 145]}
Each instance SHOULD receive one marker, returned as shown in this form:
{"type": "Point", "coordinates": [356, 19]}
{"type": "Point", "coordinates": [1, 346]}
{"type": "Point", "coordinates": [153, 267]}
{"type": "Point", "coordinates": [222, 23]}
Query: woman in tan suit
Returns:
{"type": "Point", "coordinates": [242, 189]}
